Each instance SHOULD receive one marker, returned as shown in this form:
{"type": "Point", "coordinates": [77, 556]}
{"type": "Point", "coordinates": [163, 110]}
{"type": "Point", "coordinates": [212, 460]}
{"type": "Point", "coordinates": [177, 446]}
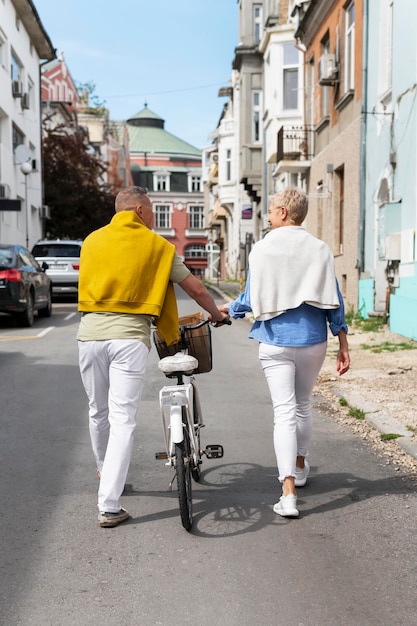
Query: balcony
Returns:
{"type": "Point", "coordinates": [295, 148]}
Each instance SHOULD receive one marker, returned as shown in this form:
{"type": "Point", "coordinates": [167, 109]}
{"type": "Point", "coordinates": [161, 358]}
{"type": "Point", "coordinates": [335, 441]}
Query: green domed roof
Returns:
{"type": "Point", "coordinates": [147, 134]}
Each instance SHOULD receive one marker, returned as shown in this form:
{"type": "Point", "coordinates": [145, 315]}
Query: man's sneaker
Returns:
{"type": "Point", "coordinates": [108, 520]}
{"type": "Point", "coordinates": [301, 475]}
{"type": "Point", "coordinates": [287, 506]}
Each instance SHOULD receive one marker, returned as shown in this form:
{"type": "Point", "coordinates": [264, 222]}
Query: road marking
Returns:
{"type": "Point", "coordinates": [68, 317]}
{"type": "Point", "coordinates": [45, 331]}
{"type": "Point", "coordinates": [38, 336]}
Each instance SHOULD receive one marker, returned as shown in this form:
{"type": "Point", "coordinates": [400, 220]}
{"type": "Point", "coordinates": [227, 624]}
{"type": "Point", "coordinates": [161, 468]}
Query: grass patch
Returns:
{"type": "Point", "coordinates": [412, 429]}
{"type": "Point", "coordinates": [389, 346]}
{"type": "Point", "coordinates": [389, 436]}
{"type": "Point", "coordinates": [372, 324]}
{"type": "Point", "coordinates": [356, 413]}
{"type": "Point", "coordinates": [353, 412]}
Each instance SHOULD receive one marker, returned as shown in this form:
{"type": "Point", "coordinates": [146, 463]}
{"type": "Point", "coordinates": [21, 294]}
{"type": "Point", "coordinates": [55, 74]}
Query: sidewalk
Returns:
{"type": "Point", "coordinates": [376, 398]}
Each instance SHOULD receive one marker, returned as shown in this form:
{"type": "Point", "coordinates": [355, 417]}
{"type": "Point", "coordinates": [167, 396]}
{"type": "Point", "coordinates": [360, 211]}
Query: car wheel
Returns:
{"type": "Point", "coordinates": [27, 317]}
{"type": "Point", "coordinates": [47, 310]}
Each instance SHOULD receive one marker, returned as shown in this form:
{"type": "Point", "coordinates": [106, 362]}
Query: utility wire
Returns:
{"type": "Point", "coordinates": [156, 93]}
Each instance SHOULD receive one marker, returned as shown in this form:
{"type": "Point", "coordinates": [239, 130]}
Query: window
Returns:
{"type": "Point", "coordinates": [256, 115]}
{"type": "Point", "coordinates": [196, 216]}
{"type": "Point", "coordinates": [31, 90]}
{"type": "Point", "coordinates": [3, 49]}
{"type": "Point", "coordinates": [228, 165]}
{"type": "Point", "coordinates": [195, 252]}
{"type": "Point", "coordinates": [325, 89]}
{"type": "Point", "coordinates": [340, 174]}
{"type": "Point", "coordinates": [162, 216]}
{"type": "Point", "coordinates": [161, 182]}
{"type": "Point", "coordinates": [194, 183]}
{"type": "Point", "coordinates": [15, 68]}
{"type": "Point", "coordinates": [18, 137]}
{"type": "Point", "coordinates": [350, 47]}
{"type": "Point", "coordinates": [257, 23]}
{"type": "Point", "coordinates": [290, 77]}
{"type": "Point", "coordinates": [385, 48]}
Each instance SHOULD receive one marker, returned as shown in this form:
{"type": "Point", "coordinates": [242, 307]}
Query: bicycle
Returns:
{"type": "Point", "coordinates": [180, 406]}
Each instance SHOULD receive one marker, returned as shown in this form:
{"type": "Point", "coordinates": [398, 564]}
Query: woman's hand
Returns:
{"type": "Point", "coordinates": [343, 358]}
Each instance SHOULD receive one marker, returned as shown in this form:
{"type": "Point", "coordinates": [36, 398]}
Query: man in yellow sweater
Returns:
{"type": "Point", "coordinates": [126, 279]}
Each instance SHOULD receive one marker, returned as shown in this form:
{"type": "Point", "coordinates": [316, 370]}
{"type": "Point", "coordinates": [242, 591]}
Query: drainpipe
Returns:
{"type": "Point", "coordinates": [360, 264]}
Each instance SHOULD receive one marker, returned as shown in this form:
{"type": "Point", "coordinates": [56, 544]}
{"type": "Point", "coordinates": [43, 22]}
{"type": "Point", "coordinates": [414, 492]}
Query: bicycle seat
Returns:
{"type": "Point", "coordinates": [178, 362]}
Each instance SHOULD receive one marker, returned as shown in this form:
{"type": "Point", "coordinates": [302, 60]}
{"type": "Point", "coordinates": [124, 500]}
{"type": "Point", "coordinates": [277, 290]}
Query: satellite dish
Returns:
{"type": "Point", "coordinates": [22, 154]}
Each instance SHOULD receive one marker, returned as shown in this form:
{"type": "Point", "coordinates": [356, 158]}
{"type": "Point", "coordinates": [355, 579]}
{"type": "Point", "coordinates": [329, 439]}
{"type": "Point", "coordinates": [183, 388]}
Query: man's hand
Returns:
{"type": "Point", "coordinates": [225, 320]}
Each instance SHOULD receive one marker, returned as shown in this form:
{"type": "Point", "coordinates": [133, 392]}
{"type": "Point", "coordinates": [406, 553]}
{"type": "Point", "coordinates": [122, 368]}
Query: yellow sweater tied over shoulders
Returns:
{"type": "Point", "coordinates": [125, 268]}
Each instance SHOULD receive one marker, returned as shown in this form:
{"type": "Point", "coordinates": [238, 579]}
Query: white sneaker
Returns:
{"type": "Point", "coordinates": [301, 475]}
{"type": "Point", "coordinates": [287, 506]}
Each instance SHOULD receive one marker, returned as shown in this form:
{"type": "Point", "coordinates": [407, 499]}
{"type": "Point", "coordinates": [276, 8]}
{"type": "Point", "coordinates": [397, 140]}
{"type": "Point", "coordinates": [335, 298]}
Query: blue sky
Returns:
{"type": "Point", "coordinates": [172, 54]}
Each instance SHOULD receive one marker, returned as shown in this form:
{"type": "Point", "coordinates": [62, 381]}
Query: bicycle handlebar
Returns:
{"type": "Point", "coordinates": [227, 322]}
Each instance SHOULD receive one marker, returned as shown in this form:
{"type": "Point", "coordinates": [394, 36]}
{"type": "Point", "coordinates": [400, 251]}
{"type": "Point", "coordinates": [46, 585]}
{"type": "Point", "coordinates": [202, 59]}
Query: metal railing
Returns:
{"type": "Point", "coordinates": [295, 143]}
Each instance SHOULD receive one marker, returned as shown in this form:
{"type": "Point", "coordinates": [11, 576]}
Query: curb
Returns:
{"type": "Point", "coordinates": [382, 422]}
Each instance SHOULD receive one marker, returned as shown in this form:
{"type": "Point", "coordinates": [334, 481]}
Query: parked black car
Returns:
{"type": "Point", "coordinates": [24, 285]}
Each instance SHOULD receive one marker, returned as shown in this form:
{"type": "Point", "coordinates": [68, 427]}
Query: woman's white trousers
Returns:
{"type": "Point", "coordinates": [291, 374]}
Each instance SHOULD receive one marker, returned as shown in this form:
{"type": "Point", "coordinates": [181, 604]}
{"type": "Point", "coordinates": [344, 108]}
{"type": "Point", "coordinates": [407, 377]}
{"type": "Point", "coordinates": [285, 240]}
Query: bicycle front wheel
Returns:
{"type": "Point", "coordinates": [182, 454]}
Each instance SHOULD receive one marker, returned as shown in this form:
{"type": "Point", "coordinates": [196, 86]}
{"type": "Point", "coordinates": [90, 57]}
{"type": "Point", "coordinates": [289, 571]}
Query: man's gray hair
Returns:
{"type": "Point", "coordinates": [128, 198]}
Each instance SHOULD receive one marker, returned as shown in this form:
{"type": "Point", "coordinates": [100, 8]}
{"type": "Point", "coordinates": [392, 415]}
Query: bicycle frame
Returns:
{"type": "Point", "coordinates": [182, 421]}
{"type": "Point", "coordinates": [176, 401]}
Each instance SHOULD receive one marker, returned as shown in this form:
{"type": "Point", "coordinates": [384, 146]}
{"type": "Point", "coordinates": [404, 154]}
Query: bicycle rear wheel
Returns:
{"type": "Point", "coordinates": [183, 459]}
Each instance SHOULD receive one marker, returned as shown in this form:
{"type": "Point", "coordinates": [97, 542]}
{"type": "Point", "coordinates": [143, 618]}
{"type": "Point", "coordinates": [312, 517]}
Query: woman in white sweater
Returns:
{"type": "Point", "coordinates": [293, 293]}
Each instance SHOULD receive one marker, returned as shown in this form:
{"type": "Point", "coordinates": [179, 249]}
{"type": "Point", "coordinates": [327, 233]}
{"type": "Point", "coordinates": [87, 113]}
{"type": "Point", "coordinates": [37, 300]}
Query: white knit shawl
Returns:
{"type": "Point", "coordinates": [288, 267]}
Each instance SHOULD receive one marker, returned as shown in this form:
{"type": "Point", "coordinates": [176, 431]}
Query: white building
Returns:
{"type": "Point", "coordinates": [24, 43]}
{"type": "Point", "coordinates": [260, 144]}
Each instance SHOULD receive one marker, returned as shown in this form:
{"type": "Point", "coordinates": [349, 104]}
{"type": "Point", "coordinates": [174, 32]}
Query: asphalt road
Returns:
{"type": "Point", "coordinates": [350, 559]}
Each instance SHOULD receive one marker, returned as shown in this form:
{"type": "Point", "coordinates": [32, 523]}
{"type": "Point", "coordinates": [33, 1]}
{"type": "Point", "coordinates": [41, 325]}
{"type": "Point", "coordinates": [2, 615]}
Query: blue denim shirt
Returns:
{"type": "Point", "coordinates": [303, 326]}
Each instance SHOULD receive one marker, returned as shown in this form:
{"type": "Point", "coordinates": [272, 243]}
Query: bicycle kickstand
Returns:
{"type": "Point", "coordinates": [172, 481]}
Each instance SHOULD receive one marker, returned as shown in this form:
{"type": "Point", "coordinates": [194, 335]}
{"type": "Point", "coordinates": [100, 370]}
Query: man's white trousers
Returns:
{"type": "Point", "coordinates": [113, 375]}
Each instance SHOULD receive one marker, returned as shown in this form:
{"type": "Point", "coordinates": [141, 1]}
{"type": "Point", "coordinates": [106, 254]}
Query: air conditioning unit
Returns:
{"type": "Point", "coordinates": [25, 101]}
{"type": "Point", "coordinates": [44, 212]}
{"type": "Point", "coordinates": [4, 192]}
{"type": "Point", "coordinates": [328, 70]}
{"type": "Point", "coordinates": [17, 89]}
{"type": "Point", "coordinates": [215, 158]}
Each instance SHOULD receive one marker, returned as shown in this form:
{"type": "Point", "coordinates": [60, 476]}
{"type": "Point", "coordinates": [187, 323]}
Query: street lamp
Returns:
{"type": "Point", "coordinates": [26, 169]}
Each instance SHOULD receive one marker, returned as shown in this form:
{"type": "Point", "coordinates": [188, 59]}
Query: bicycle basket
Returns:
{"type": "Point", "coordinates": [198, 340]}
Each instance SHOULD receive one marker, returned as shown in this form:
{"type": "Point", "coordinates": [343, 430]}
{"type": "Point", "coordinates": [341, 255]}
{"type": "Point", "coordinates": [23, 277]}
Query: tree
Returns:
{"type": "Point", "coordinates": [91, 101]}
{"type": "Point", "coordinates": [79, 201]}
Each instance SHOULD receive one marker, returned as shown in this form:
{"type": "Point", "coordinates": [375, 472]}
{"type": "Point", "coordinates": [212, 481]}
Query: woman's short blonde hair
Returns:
{"type": "Point", "coordinates": [295, 201]}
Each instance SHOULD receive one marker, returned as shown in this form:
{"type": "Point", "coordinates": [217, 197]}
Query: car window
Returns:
{"type": "Point", "coordinates": [25, 258]}
{"type": "Point", "coordinates": [34, 262]}
{"type": "Point", "coordinates": [6, 257]}
{"type": "Point", "coordinates": [45, 250]}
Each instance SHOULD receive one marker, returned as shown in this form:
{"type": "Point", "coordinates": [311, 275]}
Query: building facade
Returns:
{"type": "Point", "coordinates": [170, 169]}
{"type": "Point", "coordinates": [286, 140]}
{"type": "Point", "coordinates": [264, 99]}
{"type": "Point", "coordinates": [330, 31]}
{"type": "Point", "coordinates": [24, 43]}
{"type": "Point", "coordinates": [63, 110]}
{"type": "Point", "coordinates": [388, 278]}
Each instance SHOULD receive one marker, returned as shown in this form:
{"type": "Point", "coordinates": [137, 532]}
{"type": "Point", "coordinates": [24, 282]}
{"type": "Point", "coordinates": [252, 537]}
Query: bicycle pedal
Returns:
{"type": "Point", "coordinates": [161, 455]}
{"type": "Point", "coordinates": [214, 451]}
